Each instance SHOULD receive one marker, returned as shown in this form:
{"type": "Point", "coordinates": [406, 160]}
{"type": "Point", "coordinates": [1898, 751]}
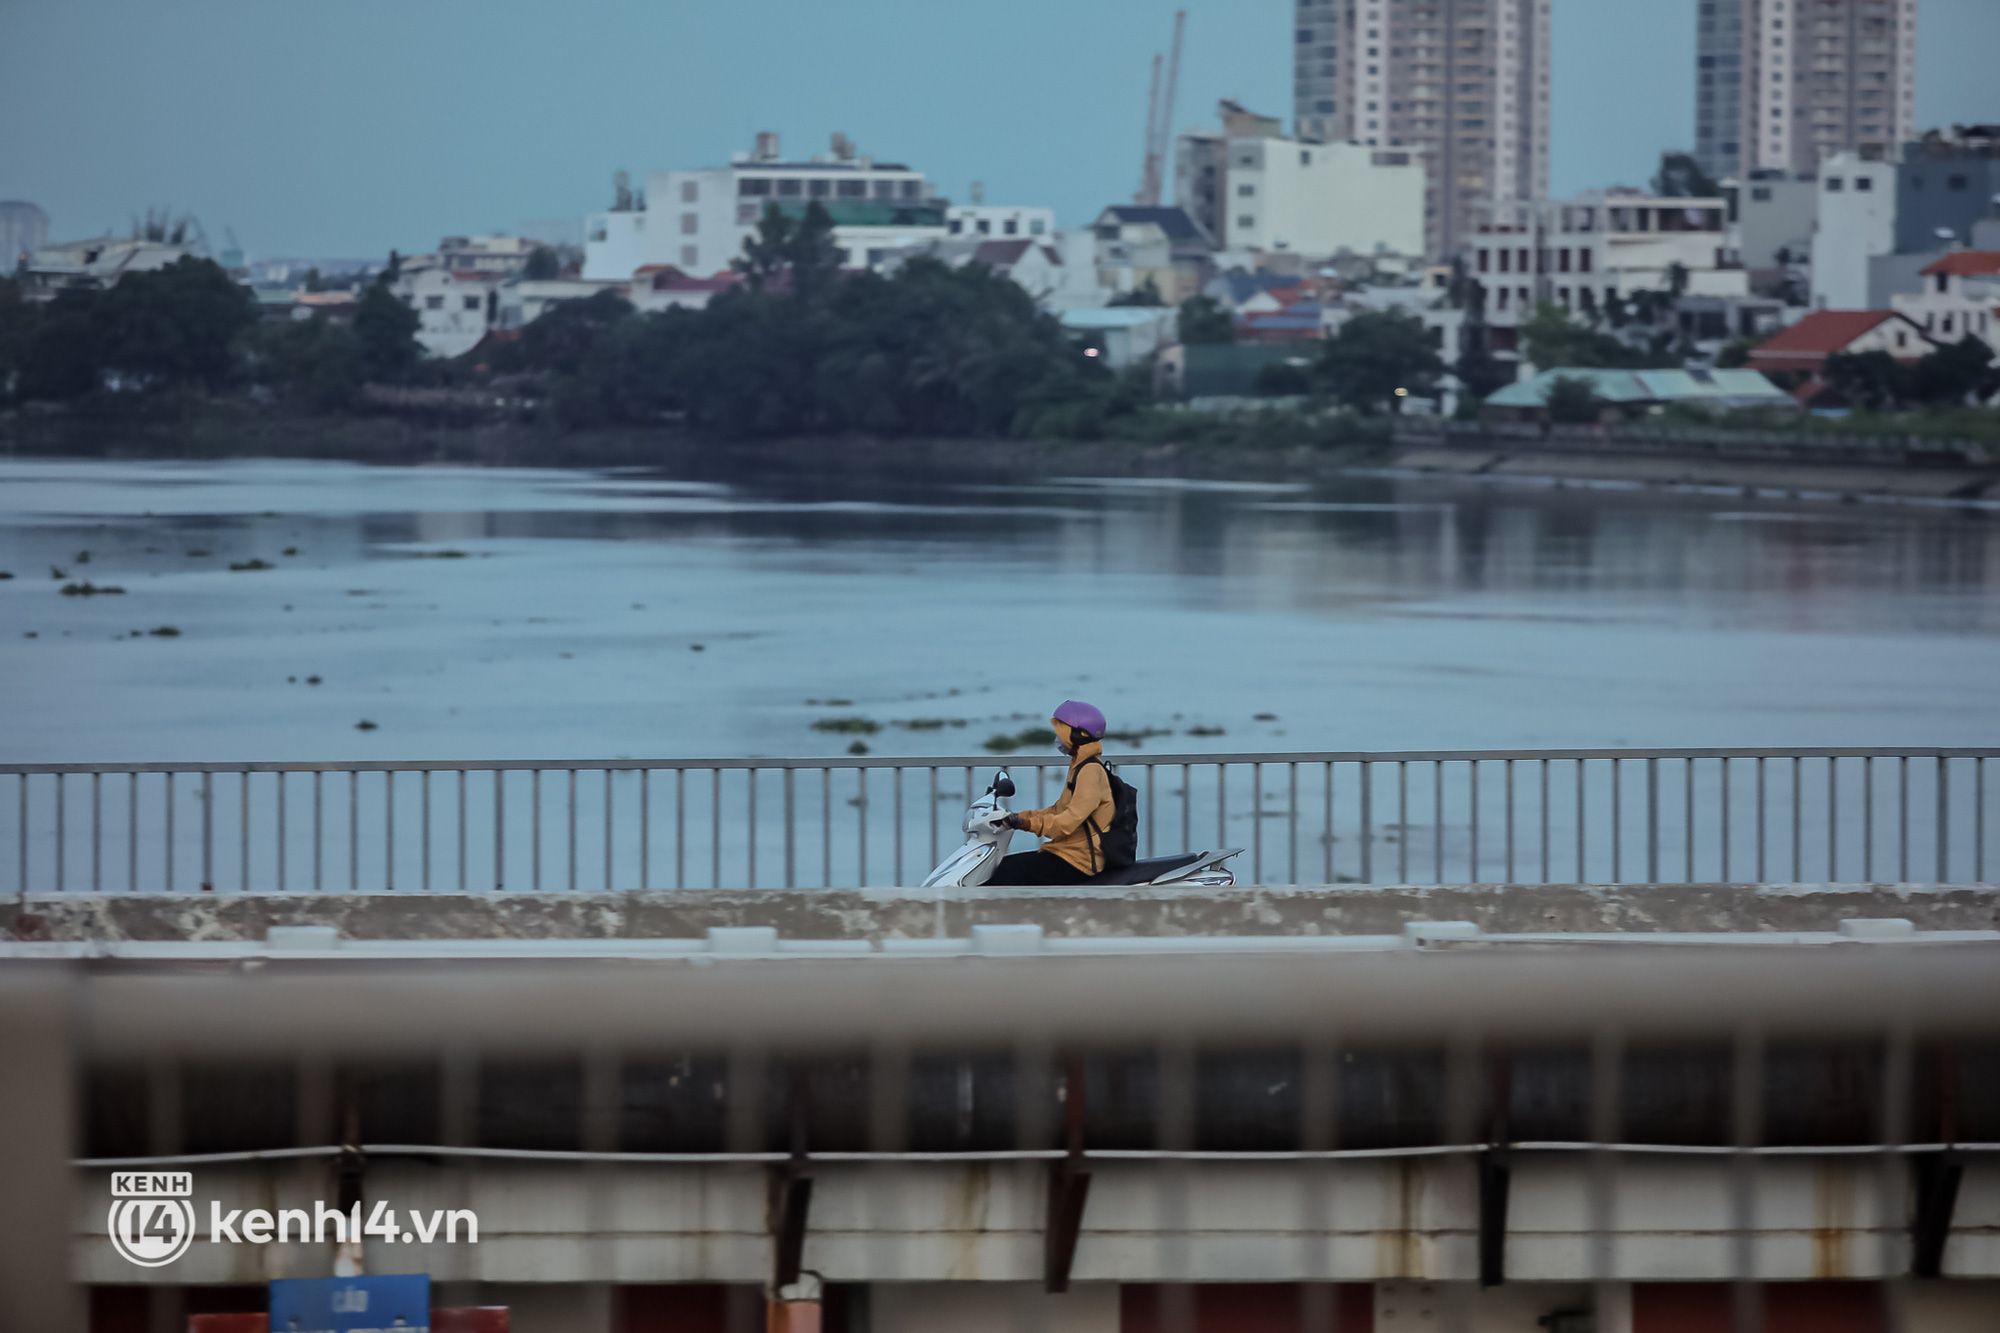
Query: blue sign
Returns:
{"type": "Point", "coordinates": [352, 1304]}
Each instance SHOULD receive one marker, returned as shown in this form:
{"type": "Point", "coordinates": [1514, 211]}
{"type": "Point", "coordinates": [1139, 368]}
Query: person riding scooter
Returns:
{"type": "Point", "coordinates": [1075, 825]}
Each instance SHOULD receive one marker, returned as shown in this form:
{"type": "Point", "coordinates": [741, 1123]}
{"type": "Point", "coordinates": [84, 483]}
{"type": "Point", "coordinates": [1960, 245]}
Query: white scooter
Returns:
{"type": "Point", "coordinates": [986, 839]}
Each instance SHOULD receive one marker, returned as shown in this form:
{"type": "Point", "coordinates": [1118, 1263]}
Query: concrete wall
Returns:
{"type": "Point", "coordinates": [907, 913]}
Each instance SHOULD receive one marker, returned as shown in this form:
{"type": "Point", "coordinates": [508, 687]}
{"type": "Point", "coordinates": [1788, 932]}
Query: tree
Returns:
{"type": "Point", "coordinates": [1146, 293]}
{"type": "Point", "coordinates": [17, 324]}
{"type": "Point", "coordinates": [1375, 354]}
{"type": "Point", "coordinates": [1954, 373]}
{"type": "Point", "coordinates": [1872, 381]}
{"type": "Point", "coordinates": [386, 332]}
{"type": "Point", "coordinates": [173, 326]}
{"type": "Point", "coordinates": [312, 362]}
{"type": "Point", "coordinates": [567, 334]}
{"type": "Point", "coordinates": [1204, 321]}
{"type": "Point", "coordinates": [1552, 340]}
{"type": "Point", "coordinates": [1281, 379]}
{"type": "Point", "coordinates": [1573, 401]}
{"type": "Point", "coordinates": [542, 265]}
{"type": "Point", "coordinates": [1735, 354]}
{"type": "Point", "coordinates": [1681, 177]}
{"type": "Point", "coordinates": [797, 254]}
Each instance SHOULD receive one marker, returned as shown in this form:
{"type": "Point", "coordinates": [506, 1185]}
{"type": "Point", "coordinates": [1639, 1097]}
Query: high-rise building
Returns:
{"type": "Point", "coordinates": [1786, 84]}
{"type": "Point", "coordinates": [1465, 83]}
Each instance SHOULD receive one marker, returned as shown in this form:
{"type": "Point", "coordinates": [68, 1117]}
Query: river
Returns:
{"type": "Point", "coordinates": [530, 614]}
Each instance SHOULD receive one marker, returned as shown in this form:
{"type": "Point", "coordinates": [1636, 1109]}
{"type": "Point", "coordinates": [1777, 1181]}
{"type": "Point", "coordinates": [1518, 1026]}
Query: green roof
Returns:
{"type": "Point", "coordinates": [1725, 388]}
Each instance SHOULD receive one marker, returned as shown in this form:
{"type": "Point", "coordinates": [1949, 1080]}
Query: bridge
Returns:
{"type": "Point", "coordinates": [1686, 1077]}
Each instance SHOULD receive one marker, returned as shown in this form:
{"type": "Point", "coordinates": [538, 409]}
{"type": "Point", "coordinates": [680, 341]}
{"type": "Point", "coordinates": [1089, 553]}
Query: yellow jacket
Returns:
{"type": "Point", "coordinates": [1086, 796]}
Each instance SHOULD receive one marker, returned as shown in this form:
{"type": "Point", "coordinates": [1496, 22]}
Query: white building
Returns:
{"type": "Point", "coordinates": [698, 220]}
{"type": "Point", "coordinates": [1857, 221]}
{"type": "Point", "coordinates": [1124, 335]}
{"type": "Point", "coordinates": [99, 262]}
{"type": "Point", "coordinates": [614, 244]}
{"type": "Point", "coordinates": [1464, 86]}
{"type": "Point", "coordinates": [1596, 247]}
{"type": "Point", "coordinates": [1786, 85]}
{"type": "Point", "coordinates": [500, 256]}
{"type": "Point", "coordinates": [522, 301]}
{"type": "Point", "coordinates": [24, 229]}
{"type": "Point", "coordinates": [1258, 192]}
{"type": "Point", "coordinates": [998, 221]}
{"type": "Point", "coordinates": [1960, 296]}
{"type": "Point", "coordinates": [1775, 212]}
{"type": "Point", "coordinates": [454, 309]}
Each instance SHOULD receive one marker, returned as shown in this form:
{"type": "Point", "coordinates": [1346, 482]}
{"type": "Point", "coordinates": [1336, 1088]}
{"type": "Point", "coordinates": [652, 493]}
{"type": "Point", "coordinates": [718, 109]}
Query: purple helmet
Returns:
{"type": "Point", "coordinates": [1081, 717]}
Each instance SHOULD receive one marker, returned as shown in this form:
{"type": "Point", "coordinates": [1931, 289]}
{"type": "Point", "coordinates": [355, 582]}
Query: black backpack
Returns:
{"type": "Point", "coordinates": [1118, 846]}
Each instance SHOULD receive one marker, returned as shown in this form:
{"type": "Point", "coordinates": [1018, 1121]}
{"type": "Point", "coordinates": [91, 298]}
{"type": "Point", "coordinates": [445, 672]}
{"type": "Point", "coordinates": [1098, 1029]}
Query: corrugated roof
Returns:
{"type": "Point", "coordinates": [1113, 317]}
{"type": "Point", "coordinates": [1729, 388]}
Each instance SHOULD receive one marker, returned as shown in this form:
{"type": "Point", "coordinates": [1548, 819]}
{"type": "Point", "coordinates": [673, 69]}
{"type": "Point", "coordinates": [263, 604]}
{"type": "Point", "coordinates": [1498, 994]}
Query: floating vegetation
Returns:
{"type": "Point", "coordinates": [438, 555]}
{"type": "Point", "coordinates": [697, 647]}
{"type": "Point", "coordinates": [363, 592]}
{"type": "Point", "coordinates": [1204, 731]}
{"type": "Point", "coordinates": [164, 632]}
{"type": "Point", "coordinates": [1139, 737]}
{"type": "Point", "coordinates": [32, 634]}
{"type": "Point", "coordinates": [252, 563]}
{"type": "Point", "coordinates": [83, 557]}
{"type": "Point", "coordinates": [565, 656]}
{"type": "Point", "coordinates": [88, 589]}
{"type": "Point", "coordinates": [829, 703]}
{"type": "Point", "coordinates": [6, 574]}
{"type": "Point", "coordinates": [929, 723]}
{"type": "Point", "coordinates": [198, 554]}
{"type": "Point", "coordinates": [848, 726]}
{"type": "Point", "coordinates": [58, 573]}
{"type": "Point", "coordinates": [312, 680]}
{"type": "Point", "coordinates": [1265, 717]}
{"type": "Point", "coordinates": [289, 550]}
{"type": "Point", "coordinates": [858, 747]}
{"type": "Point", "coordinates": [1006, 744]}
{"type": "Point", "coordinates": [364, 725]}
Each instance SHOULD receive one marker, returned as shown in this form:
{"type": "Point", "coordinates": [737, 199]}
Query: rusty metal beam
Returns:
{"type": "Point", "coordinates": [1495, 1177]}
{"type": "Point", "coordinates": [794, 1196]}
{"type": "Point", "coordinates": [1069, 1187]}
{"type": "Point", "coordinates": [1937, 1180]}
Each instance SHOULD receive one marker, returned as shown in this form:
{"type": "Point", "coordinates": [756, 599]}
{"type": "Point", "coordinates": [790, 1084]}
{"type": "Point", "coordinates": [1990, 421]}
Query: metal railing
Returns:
{"type": "Point", "coordinates": [1596, 816]}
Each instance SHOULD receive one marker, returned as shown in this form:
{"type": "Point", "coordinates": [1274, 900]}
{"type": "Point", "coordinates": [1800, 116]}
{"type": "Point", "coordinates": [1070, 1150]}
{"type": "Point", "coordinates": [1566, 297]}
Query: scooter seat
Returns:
{"type": "Point", "coordinates": [1145, 872]}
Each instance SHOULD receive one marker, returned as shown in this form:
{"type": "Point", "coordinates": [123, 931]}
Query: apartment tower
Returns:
{"type": "Point", "coordinates": [1785, 84]}
{"type": "Point", "coordinates": [1463, 83]}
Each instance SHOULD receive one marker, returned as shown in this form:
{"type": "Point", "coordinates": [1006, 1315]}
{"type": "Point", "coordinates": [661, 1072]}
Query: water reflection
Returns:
{"type": "Point", "coordinates": [622, 612]}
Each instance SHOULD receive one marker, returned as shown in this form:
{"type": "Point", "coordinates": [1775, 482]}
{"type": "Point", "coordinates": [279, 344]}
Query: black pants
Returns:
{"type": "Point", "coordinates": [1041, 867]}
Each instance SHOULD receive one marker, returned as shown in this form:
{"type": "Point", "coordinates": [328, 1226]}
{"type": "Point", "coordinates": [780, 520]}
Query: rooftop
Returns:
{"type": "Point", "coordinates": [1966, 264]}
{"type": "Point", "coordinates": [1824, 332]}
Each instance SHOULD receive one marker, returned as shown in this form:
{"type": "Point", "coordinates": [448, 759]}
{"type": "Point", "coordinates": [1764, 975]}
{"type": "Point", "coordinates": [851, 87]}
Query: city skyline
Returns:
{"type": "Point", "coordinates": [390, 129]}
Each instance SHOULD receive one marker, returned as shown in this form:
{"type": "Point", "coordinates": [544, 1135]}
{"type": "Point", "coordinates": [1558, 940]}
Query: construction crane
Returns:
{"type": "Point", "coordinates": [1160, 119]}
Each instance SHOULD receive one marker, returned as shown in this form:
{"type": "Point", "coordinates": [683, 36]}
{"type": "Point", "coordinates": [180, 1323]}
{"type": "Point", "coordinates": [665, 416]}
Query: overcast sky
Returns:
{"type": "Point", "coordinates": [344, 127]}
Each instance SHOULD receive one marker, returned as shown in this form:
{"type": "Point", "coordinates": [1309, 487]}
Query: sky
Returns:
{"type": "Point", "coordinates": [347, 127]}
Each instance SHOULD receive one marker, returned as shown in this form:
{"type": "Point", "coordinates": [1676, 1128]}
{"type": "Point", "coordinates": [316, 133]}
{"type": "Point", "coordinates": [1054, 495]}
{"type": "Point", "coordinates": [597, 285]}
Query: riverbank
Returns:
{"type": "Point", "coordinates": [1765, 465]}
{"type": "Point", "coordinates": [409, 440]}
{"type": "Point", "coordinates": [1769, 465]}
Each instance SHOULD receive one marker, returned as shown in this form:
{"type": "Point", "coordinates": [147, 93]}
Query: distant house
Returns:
{"type": "Point", "coordinates": [664, 287]}
{"type": "Point", "coordinates": [454, 307]}
{"type": "Point", "coordinates": [1632, 392]}
{"type": "Point", "coordinates": [99, 262]}
{"type": "Point", "coordinates": [1226, 371]}
{"type": "Point", "coordinates": [1137, 244]}
{"type": "Point", "coordinates": [1960, 295]}
{"type": "Point", "coordinates": [1805, 346]}
{"type": "Point", "coordinates": [1124, 335]}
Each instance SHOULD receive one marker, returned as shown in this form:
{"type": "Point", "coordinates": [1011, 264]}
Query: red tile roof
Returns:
{"type": "Point", "coordinates": [1967, 264]}
{"type": "Point", "coordinates": [1823, 332]}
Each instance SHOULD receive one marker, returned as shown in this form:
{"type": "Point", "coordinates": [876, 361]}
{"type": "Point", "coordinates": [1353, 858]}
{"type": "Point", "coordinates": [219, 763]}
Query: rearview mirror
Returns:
{"type": "Point", "coordinates": [1002, 784]}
